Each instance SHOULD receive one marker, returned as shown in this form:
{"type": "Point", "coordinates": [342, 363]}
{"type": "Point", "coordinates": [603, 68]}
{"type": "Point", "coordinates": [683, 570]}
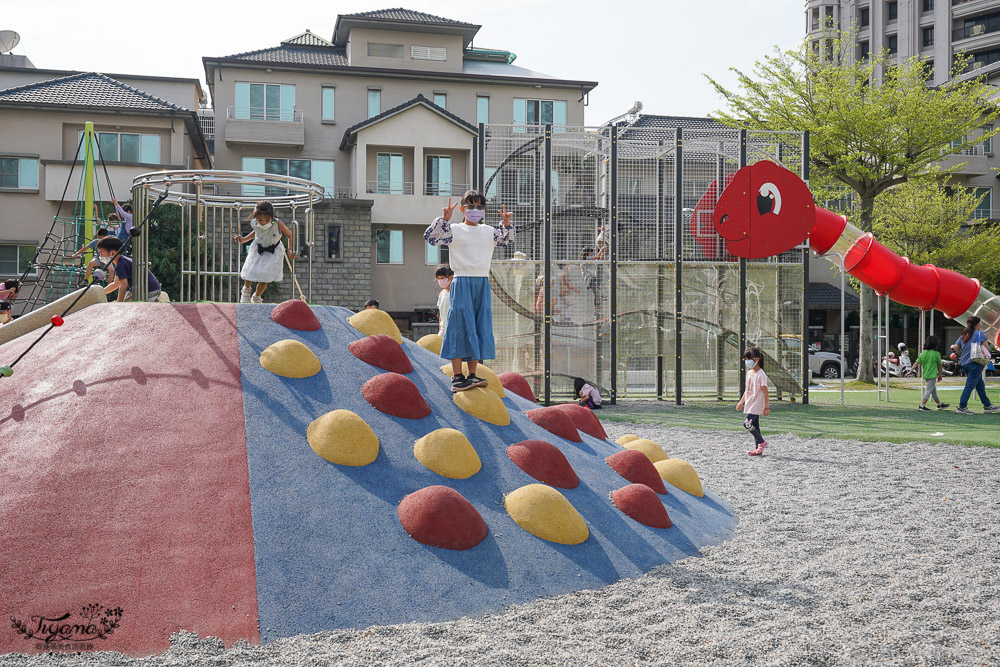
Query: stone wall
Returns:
{"type": "Point", "coordinates": [336, 282]}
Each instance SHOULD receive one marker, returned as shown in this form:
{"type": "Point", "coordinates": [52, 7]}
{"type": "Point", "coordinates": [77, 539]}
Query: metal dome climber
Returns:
{"type": "Point", "coordinates": [213, 204]}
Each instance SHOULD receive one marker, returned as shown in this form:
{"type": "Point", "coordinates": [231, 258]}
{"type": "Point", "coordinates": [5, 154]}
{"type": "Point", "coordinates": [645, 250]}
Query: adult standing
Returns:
{"type": "Point", "coordinates": [969, 346]}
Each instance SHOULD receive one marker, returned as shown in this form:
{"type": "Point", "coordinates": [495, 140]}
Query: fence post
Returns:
{"type": "Point", "coordinates": [678, 259]}
{"type": "Point", "coordinates": [547, 223]}
{"type": "Point", "coordinates": [613, 301]}
{"type": "Point", "coordinates": [743, 283]}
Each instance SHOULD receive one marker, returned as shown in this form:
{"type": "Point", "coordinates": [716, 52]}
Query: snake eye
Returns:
{"type": "Point", "coordinates": [769, 199]}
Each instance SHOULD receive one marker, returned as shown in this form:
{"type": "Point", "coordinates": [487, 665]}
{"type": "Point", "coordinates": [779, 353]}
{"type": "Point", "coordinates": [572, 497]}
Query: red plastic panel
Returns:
{"type": "Point", "coordinates": [825, 232]}
{"type": "Point", "coordinates": [879, 268]}
{"type": "Point", "coordinates": [919, 287]}
{"type": "Point", "coordinates": [957, 293]}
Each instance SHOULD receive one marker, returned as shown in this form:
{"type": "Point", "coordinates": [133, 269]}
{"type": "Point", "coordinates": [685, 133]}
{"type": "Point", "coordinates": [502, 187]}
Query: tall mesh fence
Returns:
{"type": "Point", "coordinates": [611, 302]}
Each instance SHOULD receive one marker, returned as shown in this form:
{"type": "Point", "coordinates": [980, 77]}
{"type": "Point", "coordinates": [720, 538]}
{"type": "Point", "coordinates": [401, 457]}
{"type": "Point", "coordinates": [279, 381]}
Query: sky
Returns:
{"type": "Point", "coordinates": [652, 51]}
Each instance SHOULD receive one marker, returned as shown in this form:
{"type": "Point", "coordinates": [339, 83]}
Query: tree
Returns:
{"type": "Point", "coordinates": [928, 222]}
{"type": "Point", "coordinates": [873, 125]}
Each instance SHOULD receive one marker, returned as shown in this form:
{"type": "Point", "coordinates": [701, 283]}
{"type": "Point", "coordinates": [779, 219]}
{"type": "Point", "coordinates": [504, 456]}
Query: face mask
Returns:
{"type": "Point", "coordinates": [442, 282]}
{"type": "Point", "coordinates": [749, 363]}
{"type": "Point", "coordinates": [475, 215]}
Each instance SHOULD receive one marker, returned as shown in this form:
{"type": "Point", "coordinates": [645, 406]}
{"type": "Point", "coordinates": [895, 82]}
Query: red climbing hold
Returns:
{"type": "Point", "coordinates": [584, 419]}
{"type": "Point", "coordinates": [555, 421]}
{"type": "Point", "coordinates": [516, 384]}
{"type": "Point", "coordinates": [440, 516]}
{"type": "Point", "coordinates": [639, 502]}
{"type": "Point", "coordinates": [383, 352]}
{"type": "Point", "coordinates": [395, 395]}
{"type": "Point", "coordinates": [636, 467]}
{"type": "Point", "coordinates": [56, 321]}
{"type": "Point", "coordinates": [543, 461]}
{"type": "Point", "coordinates": [295, 314]}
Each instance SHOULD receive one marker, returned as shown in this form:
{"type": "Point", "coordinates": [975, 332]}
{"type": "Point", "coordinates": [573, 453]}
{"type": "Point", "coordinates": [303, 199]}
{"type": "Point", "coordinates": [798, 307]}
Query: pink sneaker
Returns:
{"type": "Point", "coordinates": [759, 451]}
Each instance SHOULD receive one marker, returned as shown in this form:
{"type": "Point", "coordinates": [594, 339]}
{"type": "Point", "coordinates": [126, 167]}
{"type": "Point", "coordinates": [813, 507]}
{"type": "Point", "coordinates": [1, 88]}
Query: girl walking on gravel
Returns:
{"type": "Point", "coordinates": [755, 401]}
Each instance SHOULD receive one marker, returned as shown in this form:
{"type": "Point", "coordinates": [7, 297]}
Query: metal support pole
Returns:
{"type": "Point", "coordinates": [547, 223]}
{"type": "Point", "coordinates": [743, 281]}
{"type": "Point", "coordinates": [805, 286]}
{"type": "Point", "coordinates": [678, 259]}
{"type": "Point", "coordinates": [613, 249]}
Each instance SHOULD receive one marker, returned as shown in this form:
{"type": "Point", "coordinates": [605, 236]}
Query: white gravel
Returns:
{"type": "Point", "coordinates": [846, 553]}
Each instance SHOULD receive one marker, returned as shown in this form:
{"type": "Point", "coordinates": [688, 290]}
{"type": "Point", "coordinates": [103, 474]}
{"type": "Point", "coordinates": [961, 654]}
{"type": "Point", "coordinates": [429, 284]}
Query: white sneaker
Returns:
{"type": "Point", "coordinates": [256, 299]}
{"type": "Point", "coordinates": [244, 295]}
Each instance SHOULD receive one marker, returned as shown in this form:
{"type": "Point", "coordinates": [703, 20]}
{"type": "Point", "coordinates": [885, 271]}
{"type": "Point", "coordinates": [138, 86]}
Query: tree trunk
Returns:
{"type": "Point", "coordinates": [866, 349]}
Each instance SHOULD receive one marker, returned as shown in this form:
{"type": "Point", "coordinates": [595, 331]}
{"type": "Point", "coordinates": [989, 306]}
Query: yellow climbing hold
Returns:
{"type": "Point", "coordinates": [343, 437]}
{"type": "Point", "coordinates": [628, 437]}
{"type": "Point", "coordinates": [652, 450]}
{"type": "Point", "coordinates": [290, 359]}
{"type": "Point", "coordinates": [371, 322]}
{"type": "Point", "coordinates": [681, 474]}
{"type": "Point", "coordinates": [448, 453]}
{"type": "Point", "coordinates": [545, 513]}
{"type": "Point", "coordinates": [431, 342]}
{"type": "Point", "coordinates": [483, 404]}
{"type": "Point", "coordinates": [483, 371]}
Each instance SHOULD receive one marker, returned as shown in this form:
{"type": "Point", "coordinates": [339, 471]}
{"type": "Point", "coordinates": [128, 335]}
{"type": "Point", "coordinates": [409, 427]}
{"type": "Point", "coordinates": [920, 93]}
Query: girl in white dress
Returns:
{"type": "Point", "coordinates": [265, 262]}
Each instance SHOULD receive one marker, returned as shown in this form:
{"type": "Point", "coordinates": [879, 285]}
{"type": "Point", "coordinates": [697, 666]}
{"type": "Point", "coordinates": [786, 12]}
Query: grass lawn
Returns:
{"type": "Point", "coordinates": [863, 417]}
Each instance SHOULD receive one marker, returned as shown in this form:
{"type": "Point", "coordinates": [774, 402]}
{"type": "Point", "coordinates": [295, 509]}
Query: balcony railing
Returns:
{"type": "Point", "coordinates": [982, 28]}
{"type": "Point", "coordinates": [446, 189]}
{"type": "Point", "coordinates": [389, 188]}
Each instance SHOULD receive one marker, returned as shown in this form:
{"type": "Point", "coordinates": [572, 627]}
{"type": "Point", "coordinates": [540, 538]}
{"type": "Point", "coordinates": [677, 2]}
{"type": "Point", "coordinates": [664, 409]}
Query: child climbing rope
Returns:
{"type": "Point", "coordinates": [265, 262]}
{"type": "Point", "coordinates": [443, 275]}
{"type": "Point", "coordinates": [469, 334]}
{"type": "Point", "coordinates": [755, 401]}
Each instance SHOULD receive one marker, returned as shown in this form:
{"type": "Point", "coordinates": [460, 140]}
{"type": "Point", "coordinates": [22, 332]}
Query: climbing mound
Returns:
{"type": "Point", "coordinates": [383, 352]}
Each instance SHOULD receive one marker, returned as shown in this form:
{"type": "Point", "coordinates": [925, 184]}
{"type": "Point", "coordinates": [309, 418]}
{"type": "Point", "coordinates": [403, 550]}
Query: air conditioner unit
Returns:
{"type": "Point", "coordinates": [977, 30]}
{"type": "Point", "coordinates": [977, 65]}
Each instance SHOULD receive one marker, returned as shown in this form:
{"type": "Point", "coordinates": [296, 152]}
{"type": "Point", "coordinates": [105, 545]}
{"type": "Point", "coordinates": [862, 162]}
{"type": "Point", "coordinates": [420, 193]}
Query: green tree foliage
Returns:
{"type": "Point", "coordinates": [873, 124]}
{"type": "Point", "coordinates": [929, 223]}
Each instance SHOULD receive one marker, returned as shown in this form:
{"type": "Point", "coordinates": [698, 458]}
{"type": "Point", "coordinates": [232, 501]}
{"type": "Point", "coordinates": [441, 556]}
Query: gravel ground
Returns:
{"type": "Point", "coordinates": [846, 553]}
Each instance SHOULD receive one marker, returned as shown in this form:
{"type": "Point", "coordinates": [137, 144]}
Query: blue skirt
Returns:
{"type": "Point", "coordinates": [469, 334]}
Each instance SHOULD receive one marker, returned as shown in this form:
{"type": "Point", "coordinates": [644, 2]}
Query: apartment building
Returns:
{"type": "Point", "coordinates": [383, 115]}
{"type": "Point", "coordinates": [42, 116]}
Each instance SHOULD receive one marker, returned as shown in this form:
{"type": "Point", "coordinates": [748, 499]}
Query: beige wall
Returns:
{"type": "Point", "coordinates": [403, 287]}
{"type": "Point", "coordinates": [357, 50]}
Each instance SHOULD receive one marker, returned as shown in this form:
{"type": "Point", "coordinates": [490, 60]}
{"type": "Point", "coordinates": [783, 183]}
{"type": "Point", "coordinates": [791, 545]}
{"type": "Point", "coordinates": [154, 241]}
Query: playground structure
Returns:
{"type": "Point", "coordinates": [767, 209]}
{"type": "Point", "coordinates": [615, 226]}
{"type": "Point", "coordinates": [213, 204]}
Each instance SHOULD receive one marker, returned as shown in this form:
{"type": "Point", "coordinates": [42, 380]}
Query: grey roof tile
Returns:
{"type": "Point", "coordinates": [89, 89]}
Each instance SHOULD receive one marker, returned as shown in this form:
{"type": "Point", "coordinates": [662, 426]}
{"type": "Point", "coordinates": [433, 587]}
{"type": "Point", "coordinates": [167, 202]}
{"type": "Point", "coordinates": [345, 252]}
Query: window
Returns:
{"type": "Point", "coordinates": [389, 246]}
{"type": "Point", "coordinates": [928, 6]}
{"type": "Point", "coordinates": [890, 44]}
{"type": "Point", "coordinates": [318, 171]}
{"type": "Point", "coordinates": [385, 50]}
{"type": "Point", "coordinates": [333, 242]}
{"type": "Point", "coordinates": [892, 11]}
{"type": "Point", "coordinates": [985, 208]}
{"type": "Point", "coordinates": [374, 103]}
{"type": "Point", "coordinates": [927, 36]}
{"type": "Point", "coordinates": [864, 17]}
{"type": "Point", "coordinates": [863, 50]}
{"type": "Point", "coordinates": [124, 147]}
{"type": "Point", "coordinates": [482, 109]}
{"type": "Point", "coordinates": [428, 53]}
{"type": "Point", "coordinates": [389, 174]}
{"type": "Point", "coordinates": [19, 173]}
{"type": "Point", "coordinates": [539, 112]}
{"type": "Point", "coordinates": [438, 175]}
{"type": "Point", "coordinates": [264, 101]}
{"type": "Point", "coordinates": [328, 93]}
{"type": "Point", "coordinates": [15, 259]}
{"type": "Point", "coordinates": [441, 100]}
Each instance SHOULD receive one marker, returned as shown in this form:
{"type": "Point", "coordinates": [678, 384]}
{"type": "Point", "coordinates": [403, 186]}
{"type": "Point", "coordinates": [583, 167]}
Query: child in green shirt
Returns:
{"type": "Point", "coordinates": [929, 362]}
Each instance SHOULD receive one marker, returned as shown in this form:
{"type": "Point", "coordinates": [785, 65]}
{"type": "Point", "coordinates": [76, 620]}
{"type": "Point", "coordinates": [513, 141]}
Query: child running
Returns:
{"type": "Point", "coordinates": [444, 275]}
{"type": "Point", "coordinates": [929, 362]}
{"type": "Point", "coordinates": [265, 262]}
{"type": "Point", "coordinates": [469, 334]}
{"type": "Point", "coordinates": [755, 401]}
{"type": "Point", "coordinates": [586, 394]}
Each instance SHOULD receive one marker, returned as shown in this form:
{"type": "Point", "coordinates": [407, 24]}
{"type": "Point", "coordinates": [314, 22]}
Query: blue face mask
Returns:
{"type": "Point", "coordinates": [475, 215]}
{"type": "Point", "coordinates": [749, 363]}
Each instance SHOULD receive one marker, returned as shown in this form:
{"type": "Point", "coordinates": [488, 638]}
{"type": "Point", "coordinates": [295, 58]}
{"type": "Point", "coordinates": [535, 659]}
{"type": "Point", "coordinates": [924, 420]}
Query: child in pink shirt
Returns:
{"type": "Point", "coordinates": [755, 401]}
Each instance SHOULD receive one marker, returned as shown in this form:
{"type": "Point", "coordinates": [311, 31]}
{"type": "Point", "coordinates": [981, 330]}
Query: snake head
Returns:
{"type": "Point", "coordinates": [764, 211]}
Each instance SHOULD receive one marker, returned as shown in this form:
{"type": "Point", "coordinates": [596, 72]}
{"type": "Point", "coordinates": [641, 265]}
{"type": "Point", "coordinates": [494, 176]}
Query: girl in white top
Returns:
{"type": "Point", "coordinates": [469, 334]}
{"type": "Point", "coordinates": [265, 262]}
{"type": "Point", "coordinates": [444, 276]}
{"type": "Point", "coordinates": [755, 401]}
